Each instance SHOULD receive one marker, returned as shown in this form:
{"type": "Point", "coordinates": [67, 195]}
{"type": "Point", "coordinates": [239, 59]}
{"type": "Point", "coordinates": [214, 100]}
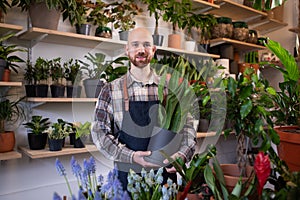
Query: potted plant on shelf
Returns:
{"type": "Point", "coordinates": [123, 14]}
{"type": "Point", "coordinates": [57, 74]}
{"type": "Point", "coordinates": [101, 16]}
{"type": "Point", "coordinates": [287, 106]}
{"type": "Point", "coordinates": [10, 112]}
{"type": "Point", "coordinates": [41, 71]}
{"type": "Point", "coordinates": [37, 138]}
{"type": "Point", "coordinates": [8, 61]}
{"type": "Point", "coordinates": [30, 80]}
{"type": "Point", "coordinates": [156, 8]}
{"type": "Point", "coordinates": [43, 13]}
{"type": "Point", "coordinates": [73, 76]}
{"type": "Point", "coordinates": [81, 131]}
{"type": "Point", "coordinates": [176, 12]}
{"type": "Point", "coordinates": [57, 132]}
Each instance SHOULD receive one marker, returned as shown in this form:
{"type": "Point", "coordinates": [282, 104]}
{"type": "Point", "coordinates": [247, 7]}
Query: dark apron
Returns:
{"type": "Point", "coordinates": [139, 119]}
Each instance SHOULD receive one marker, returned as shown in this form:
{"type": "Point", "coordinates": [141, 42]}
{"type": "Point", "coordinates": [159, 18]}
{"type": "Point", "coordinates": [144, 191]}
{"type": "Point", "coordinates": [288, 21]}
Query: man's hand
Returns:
{"type": "Point", "coordinates": [174, 157]}
{"type": "Point", "coordinates": [138, 157]}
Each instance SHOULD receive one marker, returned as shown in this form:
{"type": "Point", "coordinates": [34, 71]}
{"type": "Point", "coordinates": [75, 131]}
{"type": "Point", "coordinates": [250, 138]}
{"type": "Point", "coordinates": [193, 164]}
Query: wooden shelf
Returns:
{"type": "Point", "coordinates": [256, 19]}
{"type": "Point", "coordinates": [295, 30]}
{"type": "Point", "coordinates": [6, 29]}
{"type": "Point", "coordinates": [182, 51]}
{"type": "Point", "coordinates": [61, 100]}
{"type": "Point", "coordinates": [67, 150]}
{"type": "Point", "coordinates": [34, 35]}
{"type": "Point", "coordinates": [239, 45]}
{"type": "Point", "coordinates": [17, 84]}
{"type": "Point", "coordinates": [10, 155]}
{"type": "Point", "coordinates": [201, 6]}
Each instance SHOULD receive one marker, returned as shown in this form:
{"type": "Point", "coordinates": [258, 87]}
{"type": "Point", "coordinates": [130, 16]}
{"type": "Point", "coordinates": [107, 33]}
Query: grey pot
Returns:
{"type": "Point", "coordinates": [123, 35]}
{"type": "Point", "coordinates": [158, 40]}
{"type": "Point", "coordinates": [83, 29]}
{"type": "Point", "coordinates": [92, 87]}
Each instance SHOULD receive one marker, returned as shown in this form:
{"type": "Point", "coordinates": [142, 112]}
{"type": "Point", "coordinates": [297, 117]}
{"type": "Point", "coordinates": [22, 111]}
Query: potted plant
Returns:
{"type": "Point", "coordinates": [81, 131]}
{"type": "Point", "coordinates": [156, 8]}
{"type": "Point", "coordinates": [176, 12]}
{"type": "Point", "coordinates": [250, 61]}
{"type": "Point", "coordinates": [73, 75]}
{"type": "Point", "coordinates": [77, 13]}
{"type": "Point", "coordinates": [101, 16]}
{"type": "Point", "coordinates": [57, 132]}
{"type": "Point", "coordinates": [7, 60]}
{"type": "Point", "coordinates": [287, 106]}
{"type": "Point", "coordinates": [41, 74]}
{"type": "Point", "coordinates": [10, 111]}
{"type": "Point", "coordinates": [100, 70]}
{"type": "Point", "coordinates": [37, 138]}
{"type": "Point", "coordinates": [43, 13]}
{"type": "Point", "coordinates": [30, 82]}
{"type": "Point", "coordinates": [122, 14]}
{"type": "Point", "coordinates": [57, 74]}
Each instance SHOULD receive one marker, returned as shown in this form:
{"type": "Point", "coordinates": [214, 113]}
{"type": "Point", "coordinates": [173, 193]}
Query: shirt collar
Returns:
{"type": "Point", "coordinates": [154, 79]}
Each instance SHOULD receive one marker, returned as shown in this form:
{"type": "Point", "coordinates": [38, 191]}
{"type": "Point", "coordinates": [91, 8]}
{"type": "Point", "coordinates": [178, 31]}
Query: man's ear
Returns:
{"type": "Point", "coordinates": [126, 49]}
{"type": "Point", "coordinates": [154, 48]}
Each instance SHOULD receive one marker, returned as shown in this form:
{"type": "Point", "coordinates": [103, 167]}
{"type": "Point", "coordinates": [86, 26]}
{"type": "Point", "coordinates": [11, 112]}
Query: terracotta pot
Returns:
{"type": "Point", "coordinates": [243, 66]}
{"type": "Point", "coordinates": [174, 41]}
{"type": "Point", "coordinates": [289, 146]}
{"type": "Point", "coordinates": [189, 196]}
{"type": "Point", "coordinates": [232, 175]}
{"type": "Point", "coordinates": [7, 141]}
{"type": "Point", "coordinates": [6, 75]}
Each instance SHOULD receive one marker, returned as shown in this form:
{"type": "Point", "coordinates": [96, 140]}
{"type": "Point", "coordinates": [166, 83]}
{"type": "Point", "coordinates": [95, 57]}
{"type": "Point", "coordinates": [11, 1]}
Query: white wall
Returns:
{"type": "Point", "coordinates": [27, 178]}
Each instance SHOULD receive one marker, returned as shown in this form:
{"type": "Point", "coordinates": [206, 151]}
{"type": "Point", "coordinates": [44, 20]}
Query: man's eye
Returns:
{"type": "Point", "coordinates": [135, 44]}
{"type": "Point", "coordinates": [147, 45]}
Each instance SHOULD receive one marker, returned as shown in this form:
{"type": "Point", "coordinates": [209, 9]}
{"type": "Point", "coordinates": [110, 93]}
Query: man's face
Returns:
{"type": "Point", "coordinates": [140, 49]}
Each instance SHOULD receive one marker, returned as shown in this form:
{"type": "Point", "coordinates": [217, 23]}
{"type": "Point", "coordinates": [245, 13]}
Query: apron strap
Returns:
{"type": "Point", "coordinates": [126, 99]}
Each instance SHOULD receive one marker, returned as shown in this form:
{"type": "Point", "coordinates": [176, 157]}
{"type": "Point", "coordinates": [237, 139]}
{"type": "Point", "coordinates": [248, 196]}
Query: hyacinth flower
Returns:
{"type": "Point", "coordinates": [76, 170]}
{"type": "Point", "coordinates": [62, 172]}
{"type": "Point", "coordinates": [262, 167]}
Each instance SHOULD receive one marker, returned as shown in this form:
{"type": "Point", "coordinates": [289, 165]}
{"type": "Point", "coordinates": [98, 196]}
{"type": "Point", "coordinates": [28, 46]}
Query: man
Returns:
{"type": "Point", "coordinates": [125, 114]}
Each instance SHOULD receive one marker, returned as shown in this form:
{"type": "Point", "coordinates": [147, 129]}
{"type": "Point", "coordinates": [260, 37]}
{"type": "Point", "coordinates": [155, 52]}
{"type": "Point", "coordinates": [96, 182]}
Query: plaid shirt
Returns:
{"type": "Point", "coordinates": [109, 116]}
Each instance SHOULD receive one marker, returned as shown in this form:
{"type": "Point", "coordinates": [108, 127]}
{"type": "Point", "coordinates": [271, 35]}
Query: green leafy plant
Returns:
{"type": "Point", "coordinates": [56, 70]}
{"type": "Point", "coordinates": [38, 124]}
{"type": "Point", "coordinates": [59, 129]}
{"type": "Point", "coordinates": [4, 5]}
{"type": "Point", "coordinates": [10, 111]}
{"type": "Point", "coordinates": [41, 70]}
{"type": "Point", "coordinates": [287, 101]}
{"type": "Point", "coordinates": [123, 13]}
{"type": "Point", "coordinates": [72, 70]}
{"type": "Point", "coordinates": [103, 69]}
{"type": "Point", "coordinates": [6, 52]}
{"type": "Point", "coordinates": [82, 129]}
{"type": "Point", "coordinates": [101, 14]}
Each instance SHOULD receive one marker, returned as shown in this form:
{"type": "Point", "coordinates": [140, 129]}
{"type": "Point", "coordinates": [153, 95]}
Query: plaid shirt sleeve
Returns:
{"type": "Point", "coordinates": [104, 137]}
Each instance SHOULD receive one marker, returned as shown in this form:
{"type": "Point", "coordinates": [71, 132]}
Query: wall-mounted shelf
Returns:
{"type": "Point", "coordinates": [10, 155]}
{"type": "Point", "coordinates": [181, 52]}
{"type": "Point", "coordinates": [201, 6]}
{"type": "Point", "coordinates": [67, 150]}
{"type": "Point", "coordinates": [8, 84]}
{"type": "Point", "coordinates": [239, 45]}
{"type": "Point", "coordinates": [256, 19]}
{"type": "Point", "coordinates": [295, 30]}
{"type": "Point", "coordinates": [9, 28]}
{"type": "Point", "coordinates": [60, 100]}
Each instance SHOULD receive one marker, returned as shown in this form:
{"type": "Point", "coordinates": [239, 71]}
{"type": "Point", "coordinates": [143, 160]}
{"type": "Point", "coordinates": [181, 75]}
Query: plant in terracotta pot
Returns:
{"type": "Point", "coordinates": [250, 61]}
{"type": "Point", "coordinates": [43, 13]}
{"type": "Point", "coordinates": [73, 75]}
{"type": "Point", "coordinates": [123, 14]}
{"type": "Point", "coordinates": [41, 75]}
{"type": "Point", "coordinates": [8, 60]}
{"type": "Point", "coordinates": [176, 12]}
{"type": "Point", "coordinates": [156, 8]}
{"type": "Point", "coordinates": [57, 132]}
{"type": "Point", "coordinates": [57, 74]}
{"type": "Point", "coordinates": [287, 106]}
{"type": "Point", "coordinates": [10, 112]}
{"type": "Point", "coordinates": [37, 138]}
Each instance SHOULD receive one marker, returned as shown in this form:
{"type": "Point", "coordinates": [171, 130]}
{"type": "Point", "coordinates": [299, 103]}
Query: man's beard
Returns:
{"type": "Point", "coordinates": [140, 63]}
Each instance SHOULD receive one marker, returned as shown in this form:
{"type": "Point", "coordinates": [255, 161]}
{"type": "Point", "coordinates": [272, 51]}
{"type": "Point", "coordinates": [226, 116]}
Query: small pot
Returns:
{"type": "Point", "coordinates": [55, 145]}
{"type": "Point", "coordinates": [30, 90]}
{"type": "Point", "coordinates": [123, 35]}
{"type": "Point", "coordinates": [104, 32]}
{"type": "Point", "coordinates": [6, 75]}
{"type": "Point", "coordinates": [174, 41]}
{"type": "Point", "coordinates": [73, 91]}
{"type": "Point", "coordinates": [83, 29]}
{"type": "Point", "coordinates": [41, 90]}
{"type": "Point", "coordinates": [37, 141]}
{"type": "Point", "coordinates": [57, 90]}
{"type": "Point", "coordinates": [7, 141]}
{"type": "Point", "coordinates": [158, 40]}
{"type": "Point", "coordinates": [78, 143]}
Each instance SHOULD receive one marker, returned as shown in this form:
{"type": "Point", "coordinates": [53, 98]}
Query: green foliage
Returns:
{"type": "Point", "coordinates": [176, 12]}
{"type": "Point", "coordinates": [82, 129]}
{"type": "Point", "coordinates": [267, 5]}
{"type": "Point", "coordinates": [59, 129]}
{"type": "Point", "coordinates": [101, 15]}
{"type": "Point", "coordinates": [287, 100]}
{"type": "Point", "coordinates": [38, 124]}
{"type": "Point", "coordinates": [72, 70]}
{"type": "Point", "coordinates": [76, 12]}
{"type": "Point", "coordinates": [4, 5]}
{"type": "Point", "coordinates": [10, 111]}
{"type": "Point", "coordinates": [7, 50]}
{"type": "Point", "coordinates": [41, 70]}
{"type": "Point", "coordinates": [56, 70]}
{"type": "Point", "coordinates": [100, 68]}
{"type": "Point", "coordinates": [251, 57]}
